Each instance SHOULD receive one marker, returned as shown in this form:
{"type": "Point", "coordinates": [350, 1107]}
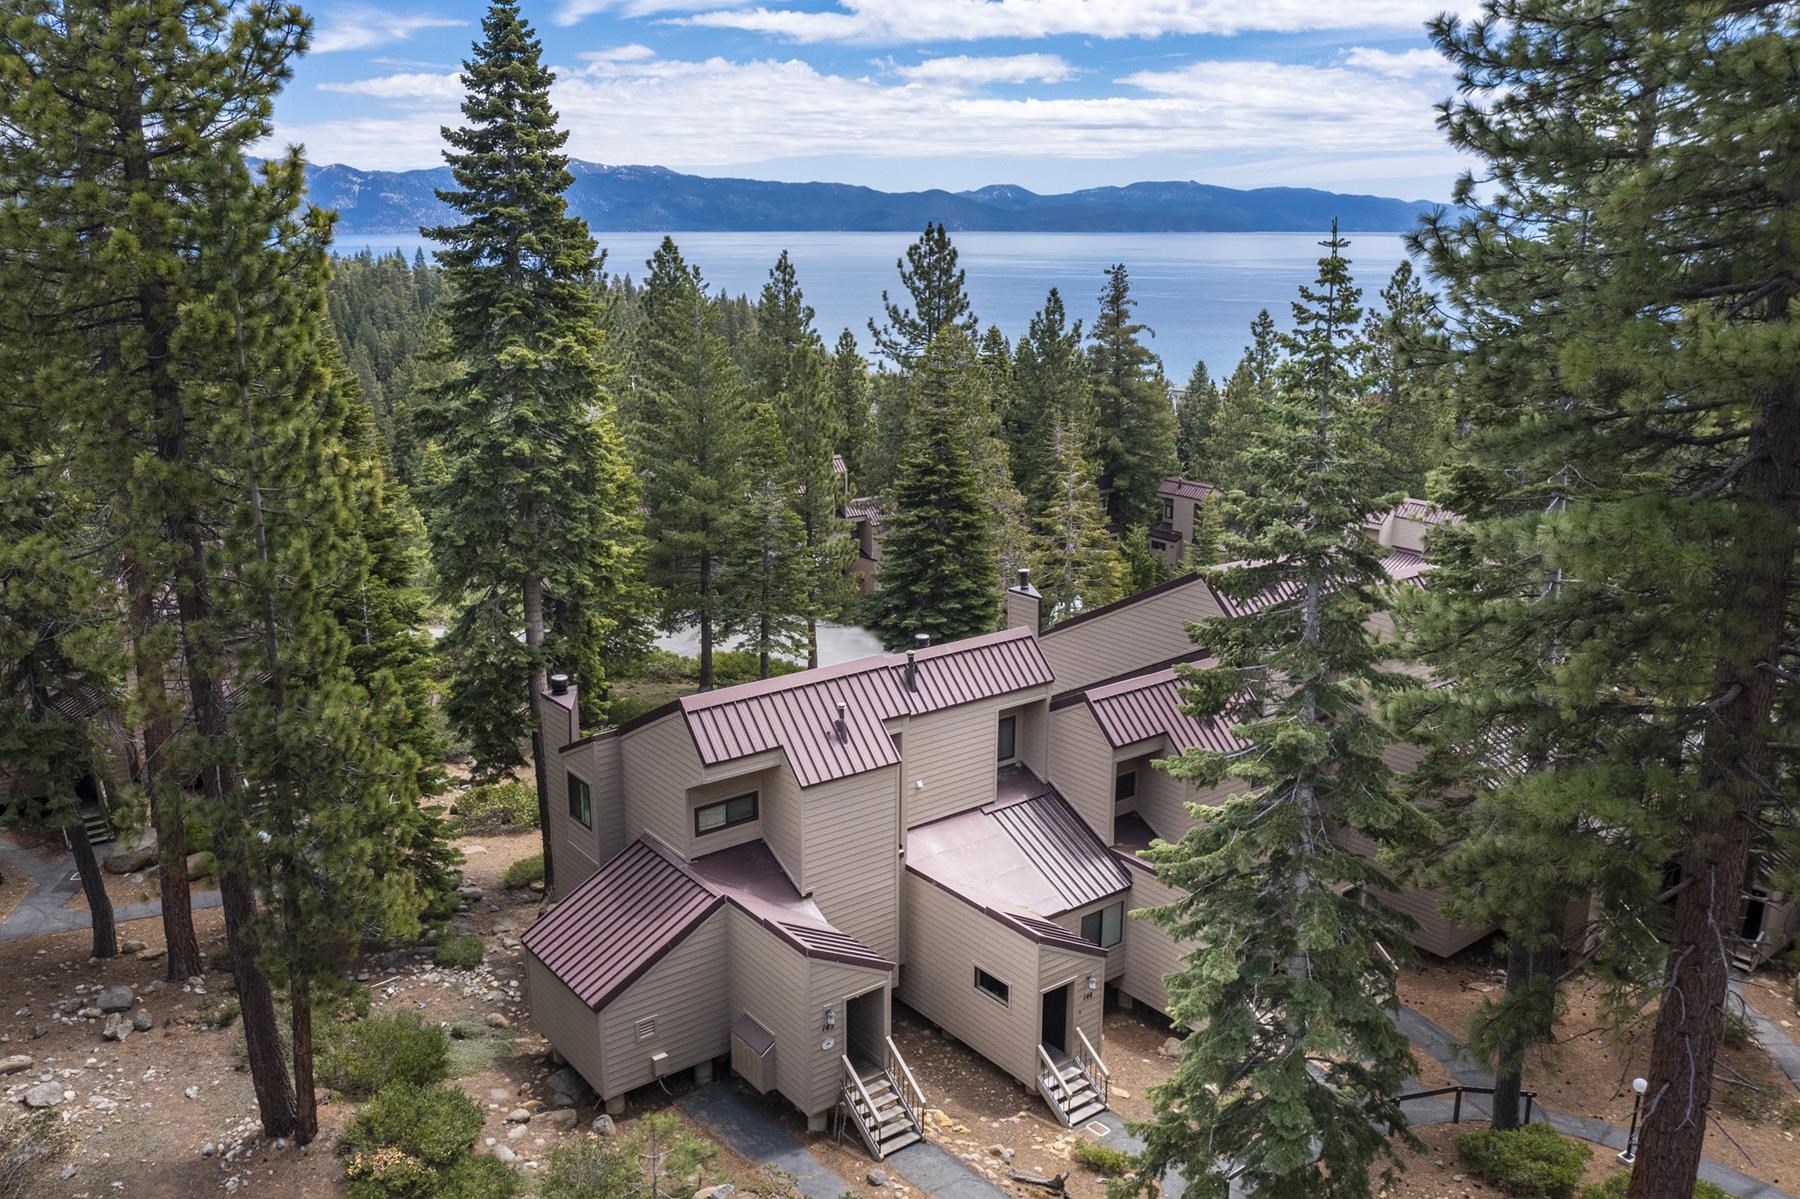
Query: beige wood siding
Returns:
{"type": "Point", "coordinates": [1163, 799]}
{"type": "Point", "coordinates": [1150, 953]}
{"type": "Point", "coordinates": [659, 764]}
{"type": "Point", "coordinates": [768, 800]}
{"type": "Point", "coordinates": [686, 995]}
{"type": "Point", "coordinates": [784, 822]}
{"type": "Point", "coordinates": [1022, 610]}
{"type": "Point", "coordinates": [1080, 765]}
{"type": "Point", "coordinates": [579, 851]}
{"type": "Point", "coordinates": [1115, 957]}
{"type": "Point", "coordinates": [946, 939]}
{"type": "Point", "coordinates": [566, 1022]}
{"type": "Point", "coordinates": [1434, 934]}
{"type": "Point", "coordinates": [954, 752]}
{"type": "Point", "coordinates": [1127, 638]}
{"type": "Point", "coordinates": [1064, 967]}
{"type": "Point", "coordinates": [851, 856]}
{"type": "Point", "coordinates": [832, 983]}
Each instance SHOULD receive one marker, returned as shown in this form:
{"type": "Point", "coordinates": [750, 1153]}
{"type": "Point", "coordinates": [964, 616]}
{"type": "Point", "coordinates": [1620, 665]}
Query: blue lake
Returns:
{"type": "Point", "coordinates": [1198, 291]}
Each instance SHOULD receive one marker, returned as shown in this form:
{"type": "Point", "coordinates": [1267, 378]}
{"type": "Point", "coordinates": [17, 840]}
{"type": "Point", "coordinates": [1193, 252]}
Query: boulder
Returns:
{"type": "Point", "coordinates": [498, 1020]}
{"type": "Point", "coordinates": [17, 1063]}
{"type": "Point", "coordinates": [142, 1021]}
{"type": "Point", "coordinates": [505, 1154]}
{"type": "Point", "coordinates": [567, 1087]}
{"type": "Point", "coordinates": [133, 946]}
{"type": "Point", "coordinates": [116, 999]}
{"type": "Point", "coordinates": [118, 1027]}
{"type": "Point", "coordinates": [518, 1115]}
{"type": "Point", "coordinates": [199, 865]}
{"type": "Point", "coordinates": [45, 1094]}
{"type": "Point", "coordinates": [723, 1191]}
{"type": "Point", "coordinates": [877, 1178]}
{"type": "Point", "coordinates": [1171, 1047]}
{"type": "Point", "coordinates": [604, 1126]}
{"type": "Point", "coordinates": [131, 859]}
{"type": "Point", "coordinates": [561, 1120]}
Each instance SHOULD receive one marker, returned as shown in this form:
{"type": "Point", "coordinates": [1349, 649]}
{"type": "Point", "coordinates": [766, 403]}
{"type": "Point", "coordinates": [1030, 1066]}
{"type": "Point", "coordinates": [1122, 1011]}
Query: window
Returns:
{"type": "Point", "coordinates": [727, 813]}
{"type": "Point", "coordinates": [1009, 738]}
{"type": "Point", "coordinates": [1169, 510]}
{"type": "Point", "coordinates": [581, 802]}
{"type": "Point", "coordinates": [1158, 546]}
{"type": "Point", "coordinates": [1125, 786]}
{"type": "Point", "coordinates": [1105, 928]}
{"type": "Point", "coordinates": [992, 987]}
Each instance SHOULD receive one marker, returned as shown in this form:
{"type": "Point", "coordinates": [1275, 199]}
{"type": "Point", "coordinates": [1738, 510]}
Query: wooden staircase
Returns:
{"type": "Point", "coordinates": [1076, 1088]}
{"type": "Point", "coordinates": [99, 828]}
{"type": "Point", "coordinates": [884, 1103]}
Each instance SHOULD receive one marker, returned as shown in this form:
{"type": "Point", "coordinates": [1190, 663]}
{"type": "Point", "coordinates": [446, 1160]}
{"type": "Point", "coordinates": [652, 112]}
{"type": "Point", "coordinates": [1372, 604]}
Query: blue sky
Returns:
{"type": "Point", "coordinates": [905, 94]}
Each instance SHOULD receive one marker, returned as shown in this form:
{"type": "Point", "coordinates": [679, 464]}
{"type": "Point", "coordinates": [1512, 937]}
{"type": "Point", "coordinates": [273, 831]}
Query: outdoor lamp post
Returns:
{"type": "Point", "coordinates": [1638, 1087]}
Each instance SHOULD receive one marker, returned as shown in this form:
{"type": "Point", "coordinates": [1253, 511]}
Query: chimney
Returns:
{"type": "Point", "coordinates": [559, 684]}
{"type": "Point", "coordinates": [920, 641]}
{"type": "Point", "coordinates": [1024, 606]}
{"type": "Point", "coordinates": [843, 730]}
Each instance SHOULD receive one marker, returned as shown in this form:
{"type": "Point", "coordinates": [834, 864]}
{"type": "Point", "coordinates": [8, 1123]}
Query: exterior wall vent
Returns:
{"type": "Point", "coordinates": [645, 1028]}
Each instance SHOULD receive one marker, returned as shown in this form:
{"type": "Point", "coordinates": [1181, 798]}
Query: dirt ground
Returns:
{"type": "Point", "coordinates": [1435, 1172]}
{"type": "Point", "coordinates": [1588, 1071]}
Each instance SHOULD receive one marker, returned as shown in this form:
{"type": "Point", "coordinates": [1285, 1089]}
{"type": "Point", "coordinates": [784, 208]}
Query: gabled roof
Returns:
{"type": "Point", "coordinates": [644, 902]}
{"type": "Point", "coordinates": [1149, 705]}
{"type": "Point", "coordinates": [1025, 854]}
{"type": "Point", "coordinates": [1426, 512]}
{"type": "Point", "coordinates": [1185, 489]}
{"type": "Point", "coordinates": [619, 923]}
{"type": "Point", "coordinates": [864, 507]}
{"type": "Point", "coordinates": [797, 713]}
{"type": "Point", "coordinates": [1165, 532]}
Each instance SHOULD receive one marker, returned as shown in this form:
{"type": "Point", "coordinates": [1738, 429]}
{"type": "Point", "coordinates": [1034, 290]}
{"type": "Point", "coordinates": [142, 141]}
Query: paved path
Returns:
{"type": "Point", "coordinates": [40, 911]}
{"type": "Point", "coordinates": [934, 1171]}
{"type": "Point", "coordinates": [753, 1135]}
{"type": "Point", "coordinates": [1771, 1036]}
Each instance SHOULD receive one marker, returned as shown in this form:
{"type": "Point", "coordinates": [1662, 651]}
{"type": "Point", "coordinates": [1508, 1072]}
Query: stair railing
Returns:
{"type": "Point", "coordinates": [1098, 1074]}
{"type": "Point", "coordinates": [912, 1099]}
{"type": "Point", "coordinates": [1054, 1075]}
{"type": "Point", "coordinates": [865, 1117]}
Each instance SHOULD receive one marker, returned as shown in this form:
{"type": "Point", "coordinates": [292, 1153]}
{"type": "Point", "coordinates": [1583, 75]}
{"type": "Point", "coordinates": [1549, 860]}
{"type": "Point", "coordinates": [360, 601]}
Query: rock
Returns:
{"type": "Point", "coordinates": [130, 860]}
{"type": "Point", "coordinates": [192, 1092]}
{"type": "Point", "coordinates": [516, 1132]}
{"type": "Point", "coordinates": [132, 946]}
{"type": "Point", "coordinates": [557, 1060]}
{"type": "Point", "coordinates": [505, 1154]}
{"type": "Point", "coordinates": [116, 999]}
{"type": "Point", "coordinates": [499, 1093]}
{"type": "Point", "coordinates": [723, 1191]}
{"type": "Point", "coordinates": [1120, 1093]}
{"type": "Point", "coordinates": [154, 954]}
{"type": "Point", "coordinates": [877, 1178]}
{"type": "Point", "coordinates": [604, 1126]}
{"type": "Point", "coordinates": [567, 1087]}
{"type": "Point", "coordinates": [534, 1106]}
{"type": "Point", "coordinates": [518, 1115]}
{"type": "Point", "coordinates": [937, 1117]}
{"type": "Point", "coordinates": [498, 1020]}
{"type": "Point", "coordinates": [89, 1013]}
{"type": "Point", "coordinates": [45, 1094]}
{"type": "Point", "coordinates": [16, 1063]}
{"type": "Point", "coordinates": [1170, 1048]}
{"type": "Point", "coordinates": [118, 1027]}
{"type": "Point", "coordinates": [142, 1020]}
{"type": "Point", "coordinates": [469, 891]}
{"type": "Point", "coordinates": [561, 1120]}
{"type": "Point", "coordinates": [67, 1173]}
{"type": "Point", "coordinates": [199, 864]}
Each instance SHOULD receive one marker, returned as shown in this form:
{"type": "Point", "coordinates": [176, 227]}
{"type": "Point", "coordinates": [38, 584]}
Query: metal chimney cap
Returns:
{"type": "Point", "coordinates": [1024, 577]}
{"type": "Point", "coordinates": [921, 640]}
{"type": "Point", "coordinates": [559, 684]}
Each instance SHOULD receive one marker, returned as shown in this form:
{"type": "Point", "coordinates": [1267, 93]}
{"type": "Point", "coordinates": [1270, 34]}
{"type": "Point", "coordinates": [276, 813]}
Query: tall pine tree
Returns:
{"type": "Point", "coordinates": [765, 572]}
{"type": "Point", "coordinates": [1292, 1069]}
{"type": "Point", "coordinates": [1136, 430]}
{"type": "Point", "coordinates": [539, 505]}
{"type": "Point", "coordinates": [848, 386]}
{"type": "Point", "coordinates": [1196, 421]}
{"type": "Point", "coordinates": [1078, 565]}
{"type": "Point", "coordinates": [934, 283]}
{"type": "Point", "coordinates": [1050, 388]}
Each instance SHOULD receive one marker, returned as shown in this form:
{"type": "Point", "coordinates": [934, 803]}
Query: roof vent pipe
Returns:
{"type": "Point", "coordinates": [843, 730]}
{"type": "Point", "coordinates": [559, 684]}
{"type": "Point", "coordinates": [1024, 577]}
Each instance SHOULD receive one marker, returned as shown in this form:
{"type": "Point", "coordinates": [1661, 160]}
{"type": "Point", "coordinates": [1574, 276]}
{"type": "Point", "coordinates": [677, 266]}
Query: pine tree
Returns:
{"type": "Point", "coordinates": [1050, 386]}
{"type": "Point", "coordinates": [1629, 227]}
{"type": "Point", "coordinates": [1242, 402]}
{"type": "Point", "coordinates": [1196, 421]}
{"type": "Point", "coordinates": [1412, 410]}
{"type": "Point", "coordinates": [1144, 567]}
{"type": "Point", "coordinates": [937, 571]}
{"type": "Point", "coordinates": [1136, 428]}
{"type": "Point", "coordinates": [693, 428]}
{"type": "Point", "coordinates": [1209, 536]}
{"type": "Point", "coordinates": [766, 576]}
{"type": "Point", "coordinates": [934, 283]}
{"type": "Point", "coordinates": [849, 388]}
{"type": "Point", "coordinates": [539, 505]}
{"type": "Point", "coordinates": [1078, 564]}
{"type": "Point", "coordinates": [1292, 1070]}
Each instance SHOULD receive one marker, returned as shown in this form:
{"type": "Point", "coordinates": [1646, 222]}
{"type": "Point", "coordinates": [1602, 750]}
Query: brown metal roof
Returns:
{"type": "Point", "coordinates": [1165, 532]}
{"type": "Point", "coordinates": [751, 877]}
{"type": "Point", "coordinates": [1026, 852]}
{"type": "Point", "coordinates": [1132, 835]}
{"type": "Point", "coordinates": [1149, 705]}
{"type": "Point", "coordinates": [1185, 489]}
{"type": "Point", "coordinates": [1426, 512]}
{"type": "Point", "coordinates": [619, 923]}
{"type": "Point", "coordinates": [798, 713]}
{"type": "Point", "coordinates": [1033, 928]}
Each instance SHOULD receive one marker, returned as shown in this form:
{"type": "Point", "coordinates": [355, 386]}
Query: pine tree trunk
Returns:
{"type": "Point", "coordinates": [306, 1100]}
{"type": "Point", "coordinates": [812, 644]}
{"type": "Point", "coordinates": [706, 624]}
{"type": "Point", "coordinates": [168, 802]}
{"type": "Point", "coordinates": [1509, 1070]}
{"type": "Point", "coordinates": [1715, 860]}
{"type": "Point", "coordinates": [762, 657]}
{"type": "Point", "coordinates": [93, 885]}
{"type": "Point", "coordinates": [534, 642]}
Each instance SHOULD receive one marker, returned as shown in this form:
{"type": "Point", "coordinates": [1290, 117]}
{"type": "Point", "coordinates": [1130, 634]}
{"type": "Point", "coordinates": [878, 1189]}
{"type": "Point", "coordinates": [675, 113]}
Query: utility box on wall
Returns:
{"type": "Point", "coordinates": [753, 1052]}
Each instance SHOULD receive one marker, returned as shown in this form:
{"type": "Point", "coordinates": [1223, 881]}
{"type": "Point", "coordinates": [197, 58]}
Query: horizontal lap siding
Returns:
{"type": "Point", "coordinates": [1081, 767]}
{"type": "Point", "coordinates": [659, 765]}
{"type": "Point", "coordinates": [1434, 934]}
{"type": "Point", "coordinates": [945, 940]}
{"type": "Point", "coordinates": [1115, 957]}
{"type": "Point", "coordinates": [687, 993]}
{"type": "Point", "coordinates": [833, 983]}
{"type": "Point", "coordinates": [1127, 638]}
{"type": "Point", "coordinates": [1059, 966]}
{"type": "Point", "coordinates": [579, 851]}
{"type": "Point", "coordinates": [1150, 953]}
{"type": "Point", "coordinates": [953, 751]}
{"type": "Point", "coordinates": [768, 798]}
{"type": "Point", "coordinates": [852, 863]}
{"type": "Point", "coordinates": [566, 1022]}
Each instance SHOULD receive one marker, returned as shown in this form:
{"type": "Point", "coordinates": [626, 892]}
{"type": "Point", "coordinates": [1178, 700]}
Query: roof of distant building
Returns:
{"type": "Point", "coordinates": [1149, 705]}
{"type": "Point", "coordinates": [1185, 489]}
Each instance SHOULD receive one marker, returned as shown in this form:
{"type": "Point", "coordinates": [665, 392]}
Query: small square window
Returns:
{"type": "Point", "coordinates": [1105, 928]}
{"type": "Point", "coordinates": [992, 987]}
{"type": "Point", "coordinates": [1125, 786]}
{"type": "Point", "coordinates": [581, 802]}
{"type": "Point", "coordinates": [727, 813]}
{"type": "Point", "coordinates": [1009, 738]}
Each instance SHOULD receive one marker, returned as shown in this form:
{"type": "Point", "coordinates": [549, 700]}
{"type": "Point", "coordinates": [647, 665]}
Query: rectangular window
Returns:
{"type": "Point", "coordinates": [1169, 510]}
{"type": "Point", "coordinates": [727, 813]}
{"type": "Point", "coordinates": [1158, 546]}
{"type": "Point", "coordinates": [992, 987]}
{"type": "Point", "coordinates": [581, 802]}
{"type": "Point", "coordinates": [1009, 738]}
{"type": "Point", "coordinates": [1105, 928]}
{"type": "Point", "coordinates": [1125, 786]}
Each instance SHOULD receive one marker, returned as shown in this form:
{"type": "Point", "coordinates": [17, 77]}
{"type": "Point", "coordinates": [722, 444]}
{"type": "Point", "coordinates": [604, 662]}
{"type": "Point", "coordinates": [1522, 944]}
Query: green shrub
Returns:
{"type": "Point", "coordinates": [434, 1125]}
{"type": "Point", "coordinates": [524, 872]}
{"type": "Point", "coordinates": [1103, 1159]}
{"type": "Point", "coordinates": [736, 666]}
{"type": "Point", "coordinates": [1614, 1188]}
{"type": "Point", "coordinates": [491, 807]}
{"type": "Point", "coordinates": [464, 952]}
{"type": "Point", "coordinates": [362, 1058]}
{"type": "Point", "coordinates": [1535, 1162]}
{"type": "Point", "coordinates": [477, 1178]}
{"type": "Point", "coordinates": [586, 1167]}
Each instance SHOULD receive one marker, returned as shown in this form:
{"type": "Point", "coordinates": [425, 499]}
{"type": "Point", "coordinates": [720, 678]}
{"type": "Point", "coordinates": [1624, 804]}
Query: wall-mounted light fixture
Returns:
{"type": "Point", "coordinates": [830, 1017]}
{"type": "Point", "coordinates": [1093, 983]}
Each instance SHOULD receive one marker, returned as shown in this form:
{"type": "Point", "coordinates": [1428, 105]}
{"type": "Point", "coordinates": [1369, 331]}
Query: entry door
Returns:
{"type": "Point", "coordinates": [1055, 1032]}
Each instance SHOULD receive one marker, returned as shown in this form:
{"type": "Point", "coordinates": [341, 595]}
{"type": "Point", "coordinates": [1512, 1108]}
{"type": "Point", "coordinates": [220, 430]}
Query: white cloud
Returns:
{"type": "Point", "coordinates": [360, 28]}
{"type": "Point", "coordinates": [892, 22]}
{"type": "Point", "coordinates": [971, 70]}
{"type": "Point", "coordinates": [1397, 63]}
{"type": "Point", "coordinates": [573, 12]}
{"type": "Point", "coordinates": [633, 108]}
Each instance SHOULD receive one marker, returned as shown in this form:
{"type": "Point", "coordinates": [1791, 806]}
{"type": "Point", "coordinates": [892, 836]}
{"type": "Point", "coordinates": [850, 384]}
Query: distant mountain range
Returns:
{"type": "Point", "coordinates": [653, 199]}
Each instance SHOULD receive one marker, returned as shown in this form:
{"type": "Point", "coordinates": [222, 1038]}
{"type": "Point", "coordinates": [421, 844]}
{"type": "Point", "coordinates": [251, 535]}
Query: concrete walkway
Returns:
{"type": "Point", "coordinates": [933, 1170]}
{"type": "Point", "coordinates": [1771, 1036]}
{"type": "Point", "coordinates": [753, 1135]}
{"type": "Point", "coordinates": [40, 911]}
